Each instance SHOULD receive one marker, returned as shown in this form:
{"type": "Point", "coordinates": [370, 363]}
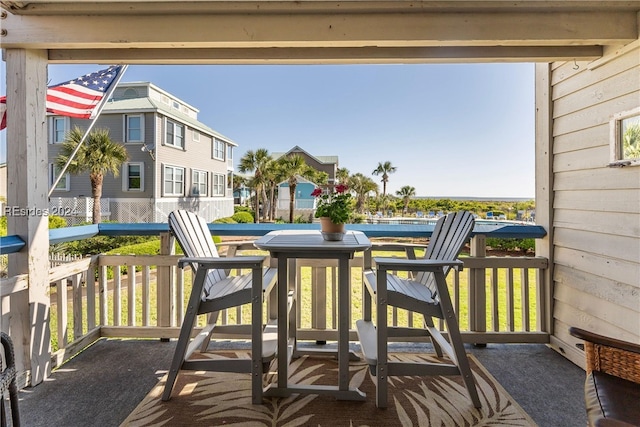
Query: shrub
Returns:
{"type": "Point", "coordinates": [524, 245]}
{"type": "Point", "coordinates": [57, 222]}
{"type": "Point", "coordinates": [225, 220]}
{"type": "Point", "coordinates": [237, 209]}
{"type": "Point", "coordinates": [242, 217]}
{"type": "Point", "coordinates": [151, 247]}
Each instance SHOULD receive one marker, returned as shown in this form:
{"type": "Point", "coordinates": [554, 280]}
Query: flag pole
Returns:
{"type": "Point", "coordinates": [98, 110]}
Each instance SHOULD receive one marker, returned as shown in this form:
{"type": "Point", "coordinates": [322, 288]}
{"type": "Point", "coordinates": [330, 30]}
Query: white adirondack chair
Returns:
{"type": "Point", "coordinates": [213, 290]}
{"type": "Point", "coordinates": [426, 293]}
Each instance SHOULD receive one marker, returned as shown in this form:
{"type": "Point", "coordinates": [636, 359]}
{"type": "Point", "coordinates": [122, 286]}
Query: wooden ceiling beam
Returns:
{"type": "Point", "coordinates": [416, 29]}
{"type": "Point", "coordinates": [172, 7]}
{"type": "Point", "coordinates": [366, 55]}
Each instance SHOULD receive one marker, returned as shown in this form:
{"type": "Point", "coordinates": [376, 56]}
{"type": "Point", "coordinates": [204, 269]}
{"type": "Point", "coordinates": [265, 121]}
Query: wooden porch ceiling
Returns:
{"type": "Point", "coordinates": [362, 31]}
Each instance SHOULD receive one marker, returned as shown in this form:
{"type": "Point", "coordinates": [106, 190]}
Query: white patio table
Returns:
{"type": "Point", "coordinates": [288, 245]}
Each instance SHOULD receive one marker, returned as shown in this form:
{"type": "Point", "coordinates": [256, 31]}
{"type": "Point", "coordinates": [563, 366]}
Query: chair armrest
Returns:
{"type": "Point", "coordinates": [610, 356]}
{"type": "Point", "coordinates": [224, 262]}
{"type": "Point", "coordinates": [403, 264]}
{"type": "Point", "coordinates": [602, 340]}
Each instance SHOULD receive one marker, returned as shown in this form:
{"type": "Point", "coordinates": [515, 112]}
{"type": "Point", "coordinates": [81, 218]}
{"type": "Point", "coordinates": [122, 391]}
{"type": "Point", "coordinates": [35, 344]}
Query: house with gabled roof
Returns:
{"type": "Point", "coordinates": [304, 202]}
{"type": "Point", "coordinates": [175, 161]}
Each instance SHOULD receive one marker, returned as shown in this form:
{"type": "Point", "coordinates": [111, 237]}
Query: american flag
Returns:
{"type": "Point", "coordinates": [75, 98]}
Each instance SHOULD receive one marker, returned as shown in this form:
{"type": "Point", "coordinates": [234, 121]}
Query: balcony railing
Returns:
{"type": "Point", "coordinates": [497, 299]}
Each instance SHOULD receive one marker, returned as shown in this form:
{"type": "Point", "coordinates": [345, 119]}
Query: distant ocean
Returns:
{"type": "Point", "coordinates": [480, 199]}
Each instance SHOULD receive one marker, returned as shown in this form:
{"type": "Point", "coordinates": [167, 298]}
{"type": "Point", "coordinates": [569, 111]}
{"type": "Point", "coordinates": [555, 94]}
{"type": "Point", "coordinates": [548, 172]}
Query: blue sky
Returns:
{"type": "Point", "coordinates": [450, 129]}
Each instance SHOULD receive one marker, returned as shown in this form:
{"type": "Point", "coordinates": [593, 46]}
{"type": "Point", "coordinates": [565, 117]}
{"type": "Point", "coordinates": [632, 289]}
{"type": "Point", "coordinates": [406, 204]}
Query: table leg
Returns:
{"type": "Point", "coordinates": [283, 323]}
{"type": "Point", "coordinates": [343, 323]}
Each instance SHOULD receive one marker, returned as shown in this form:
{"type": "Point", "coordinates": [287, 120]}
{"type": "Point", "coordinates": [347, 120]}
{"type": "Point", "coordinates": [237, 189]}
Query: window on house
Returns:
{"type": "Point", "coordinates": [173, 181]}
{"type": "Point", "coordinates": [133, 128]}
{"type": "Point", "coordinates": [130, 93]}
{"type": "Point", "coordinates": [64, 184]}
{"type": "Point", "coordinates": [59, 129]}
{"type": "Point", "coordinates": [195, 135]}
{"type": "Point", "coordinates": [219, 182]}
{"type": "Point", "coordinates": [625, 138]}
{"type": "Point", "coordinates": [218, 149]}
{"type": "Point", "coordinates": [133, 177]}
{"type": "Point", "coordinates": [229, 153]}
{"type": "Point", "coordinates": [175, 134]}
{"type": "Point", "coordinates": [198, 183]}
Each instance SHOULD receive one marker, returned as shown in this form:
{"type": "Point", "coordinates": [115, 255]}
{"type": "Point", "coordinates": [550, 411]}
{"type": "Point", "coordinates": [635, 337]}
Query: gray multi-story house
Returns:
{"type": "Point", "coordinates": [175, 161]}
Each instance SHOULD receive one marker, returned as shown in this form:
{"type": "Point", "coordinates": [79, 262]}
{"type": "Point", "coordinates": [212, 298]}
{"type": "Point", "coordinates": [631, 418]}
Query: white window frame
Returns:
{"type": "Point", "coordinates": [172, 141]}
{"type": "Point", "coordinates": [195, 135]}
{"type": "Point", "coordinates": [615, 138]}
{"type": "Point", "coordinates": [200, 179]}
{"type": "Point", "coordinates": [219, 185]}
{"type": "Point", "coordinates": [229, 153]}
{"type": "Point", "coordinates": [65, 182]}
{"type": "Point", "coordinates": [218, 147]}
{"type": "Point", "coordinates": [125, 176]}
{"type": "Point", "coordinates": [66, 123]}
{"type": "Point", "coordinates": [127, 127]}
{"type": "Point", "coordinates": [164, 180]}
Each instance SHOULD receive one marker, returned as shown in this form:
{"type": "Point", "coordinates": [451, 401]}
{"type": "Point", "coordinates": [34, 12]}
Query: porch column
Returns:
{"type": "Point", "coordinates": [27, 189]}
{"type": "Point", "coordinates": [544, 193]}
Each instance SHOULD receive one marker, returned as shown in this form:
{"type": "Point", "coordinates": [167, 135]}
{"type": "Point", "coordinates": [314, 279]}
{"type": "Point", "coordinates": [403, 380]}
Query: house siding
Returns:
{"type": "Point", "coordinates": [112, 186]}
{"type": "Point", "coordinates": [151, 204]}
{"type": "Point", "coordinates": [596, 222]}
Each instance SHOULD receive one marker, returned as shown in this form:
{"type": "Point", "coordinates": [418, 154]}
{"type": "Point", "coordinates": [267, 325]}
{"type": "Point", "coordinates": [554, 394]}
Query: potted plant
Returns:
{"type": "Point", "coordinates": [334, 210]}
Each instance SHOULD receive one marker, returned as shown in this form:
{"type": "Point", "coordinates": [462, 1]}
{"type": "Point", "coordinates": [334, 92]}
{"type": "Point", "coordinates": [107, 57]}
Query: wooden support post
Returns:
{"type": "Point", "coordinates": [544, 195]}
{"type": "Point", "coordinates": [477, 287]}
{"type": "Point", "coordinates": [27, 189]}
{"type": "Point", "coordinates": [166, 299]}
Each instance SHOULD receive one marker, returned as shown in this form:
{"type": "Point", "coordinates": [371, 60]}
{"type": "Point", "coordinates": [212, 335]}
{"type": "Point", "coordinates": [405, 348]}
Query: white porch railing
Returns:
{"type": "Point", "coordinates": [497, 299]}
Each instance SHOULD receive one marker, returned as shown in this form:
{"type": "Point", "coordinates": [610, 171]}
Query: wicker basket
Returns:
{"type": "Point", "coordinates": [613, 361]}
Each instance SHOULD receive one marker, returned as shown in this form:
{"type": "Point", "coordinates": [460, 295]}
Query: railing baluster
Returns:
{"type": "Point", "coordinates": [495, 304]}
{"type": "Point", "coordinates": [104, 294]}
{"type": "Point", "coordinates": [524, 282]}
{"type": "Point", "coordinates": [131, 294]}
{"type": "Point", "coordinates": [117, 296]}
{"type": "Point", "coordinates": [61, 300]}
{"type": "Point", "coordinates": [510, 301]}
{"type": "Point", "coordinates": [91, 294]}
{"type": "Point", "coordinates": [146, 295]}
{"type": "Point", "coordinates": [76, 286]}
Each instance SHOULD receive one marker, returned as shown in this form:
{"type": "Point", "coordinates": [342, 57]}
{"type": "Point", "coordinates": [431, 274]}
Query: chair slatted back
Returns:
{"type": "Point", "coordinates": [194, 237]}
{"type": "Point", "coordinates": [446, 242]}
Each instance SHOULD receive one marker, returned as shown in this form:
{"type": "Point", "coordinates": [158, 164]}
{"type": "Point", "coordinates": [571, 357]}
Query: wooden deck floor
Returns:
{"type": "Point", "coordinates": [104, 383]}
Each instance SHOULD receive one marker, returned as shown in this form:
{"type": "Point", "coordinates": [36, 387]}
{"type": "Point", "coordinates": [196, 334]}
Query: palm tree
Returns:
{"type": "Point", "coordinates": [361, 185]}
{"type": "Point", "coordinates": [98, 155]}
{"type": "Point", "coordinates": [273, 176]}
{"type": "Point", "coordinates": [631, 142]}
{"type": "Point", "coordinates": [406, 193]}
{"type": "Point", "coordinates": [342, 174]}
{"type": "Point", "coordinates": [384, 169]}
{"type": "Point", "coordinates": [292, 167]}
{"type": "Point", "coordinates": [256, 162]}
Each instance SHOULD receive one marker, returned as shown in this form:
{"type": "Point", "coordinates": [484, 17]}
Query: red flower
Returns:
{"type": "Point", "coordinates": [341, 188]}
{"type": "Point", "coordinates": [316, 192]}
